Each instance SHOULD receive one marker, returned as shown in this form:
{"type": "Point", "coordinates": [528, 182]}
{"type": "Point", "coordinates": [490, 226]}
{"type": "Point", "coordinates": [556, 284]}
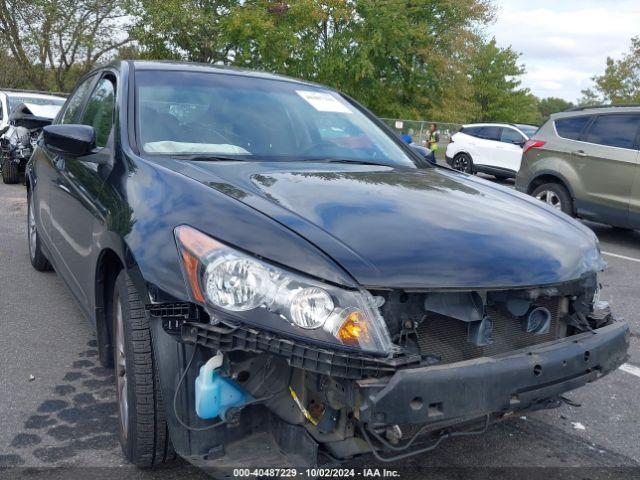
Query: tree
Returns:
{"type": "Point", "coordinates": [495, 76]}
{"type": "Point", "coordinates": [398, 57]}
{"type": "Point", "coordinates": [620, 82]}
{"type": "Point", "coordinates": [53, 42]}
{"type": "Point", "coordinates": [549, 105]}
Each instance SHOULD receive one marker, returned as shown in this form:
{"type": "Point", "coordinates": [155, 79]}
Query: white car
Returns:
{"type": "Point", "coordinates": [10, 99]}
{"type": "Point", "coordinates": [493, 148]}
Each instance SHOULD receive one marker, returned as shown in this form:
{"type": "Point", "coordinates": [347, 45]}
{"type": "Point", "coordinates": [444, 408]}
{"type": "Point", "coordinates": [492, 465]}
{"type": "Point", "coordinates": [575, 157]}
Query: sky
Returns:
{"type": "Point", "coordinates": [565, 42]}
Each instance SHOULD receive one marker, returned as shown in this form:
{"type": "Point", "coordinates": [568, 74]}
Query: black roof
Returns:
{"type": "Point", "coordinates": [207, 67]}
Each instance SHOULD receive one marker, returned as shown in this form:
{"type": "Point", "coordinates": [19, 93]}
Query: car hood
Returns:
{"type": "Point", "coordinates": [415, 229]}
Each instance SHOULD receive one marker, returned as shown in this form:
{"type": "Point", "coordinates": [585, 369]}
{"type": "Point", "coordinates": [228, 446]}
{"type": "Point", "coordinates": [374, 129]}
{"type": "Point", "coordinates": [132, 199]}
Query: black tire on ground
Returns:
{"type": "Point", "coordinates": [10, 171]}
{"type": "Point", "coordinates": [37, 257]}
{"type": "Point", "coordinates": [555, 195]}
{"type": "Point", "coordinates": [142, 431]}
{"type": "Point", "coordinates": [463, 162]}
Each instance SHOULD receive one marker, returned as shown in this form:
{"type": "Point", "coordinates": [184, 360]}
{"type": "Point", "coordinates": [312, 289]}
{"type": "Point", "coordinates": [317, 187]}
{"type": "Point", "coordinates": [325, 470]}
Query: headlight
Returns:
{"type": "Point", "coordinates": [237, 285]}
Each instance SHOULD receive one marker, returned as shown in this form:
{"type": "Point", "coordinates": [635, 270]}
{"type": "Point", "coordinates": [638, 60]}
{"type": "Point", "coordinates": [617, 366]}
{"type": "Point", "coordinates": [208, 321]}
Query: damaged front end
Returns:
{"type": "Point", "coordinates": [441, 364]}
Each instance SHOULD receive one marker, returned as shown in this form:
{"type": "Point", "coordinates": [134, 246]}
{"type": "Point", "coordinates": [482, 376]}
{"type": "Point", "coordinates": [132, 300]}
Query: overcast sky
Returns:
{"type": "Point", "coordinates": [565, 42]}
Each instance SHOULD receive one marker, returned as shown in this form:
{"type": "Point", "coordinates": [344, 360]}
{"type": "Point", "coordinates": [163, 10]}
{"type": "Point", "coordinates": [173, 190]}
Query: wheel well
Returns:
{"type": "Point", "coordinates": [108, 268]}
{"type": "Point", "coordinates": [542, 179]}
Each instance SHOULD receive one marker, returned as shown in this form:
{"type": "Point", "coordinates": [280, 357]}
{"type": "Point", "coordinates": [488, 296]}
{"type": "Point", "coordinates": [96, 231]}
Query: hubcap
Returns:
{"type": "Point", "coordinates": [121, 369]}
{"type": "Point", "coordinates": [550, 198]}
{"type": "Point", "coordinates": [33, 234]}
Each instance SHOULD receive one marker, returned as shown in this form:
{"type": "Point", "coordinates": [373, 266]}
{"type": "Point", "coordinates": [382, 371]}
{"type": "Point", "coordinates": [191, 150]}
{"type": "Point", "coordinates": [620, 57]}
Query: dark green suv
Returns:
{"type": "Point", "coordinates": [585, 163]}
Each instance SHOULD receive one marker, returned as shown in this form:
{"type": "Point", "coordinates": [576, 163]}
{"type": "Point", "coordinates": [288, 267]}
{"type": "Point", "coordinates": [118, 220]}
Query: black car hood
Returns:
{"type": "Point", "coordinates": [406, 228]}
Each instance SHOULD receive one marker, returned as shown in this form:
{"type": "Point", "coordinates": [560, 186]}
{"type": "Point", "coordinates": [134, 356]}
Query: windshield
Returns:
{"type": "Point", "coordinates": [187, 113]}
{"type": "Point", "coordinates": [528, 130]}
{"type": "Point", "coordinates": [14, 101]}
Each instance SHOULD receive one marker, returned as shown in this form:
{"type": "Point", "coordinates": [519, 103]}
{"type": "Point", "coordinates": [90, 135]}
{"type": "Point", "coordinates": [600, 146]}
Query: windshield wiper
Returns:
{"type": "Point", "coordinates": [209, 158]}
{"type": "Point", "coordinates": [348, 160]}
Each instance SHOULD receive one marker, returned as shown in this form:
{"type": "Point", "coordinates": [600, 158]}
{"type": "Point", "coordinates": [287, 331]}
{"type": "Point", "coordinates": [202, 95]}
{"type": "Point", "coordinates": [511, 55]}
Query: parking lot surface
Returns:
{"type": "Point", "coordinates": [58, 405]}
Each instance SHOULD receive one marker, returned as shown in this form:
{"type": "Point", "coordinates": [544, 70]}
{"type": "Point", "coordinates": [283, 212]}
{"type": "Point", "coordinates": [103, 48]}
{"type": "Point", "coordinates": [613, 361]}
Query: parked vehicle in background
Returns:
{"type": "Point", "coordinates": [585, 163]}
{"type": "Point", "coordinates": [10, 99]}
{"type": "Point", "coordinates": [277, 283]}
{"type": "Point", "coordinates": [19, 137]}
{"type": "Point", "coordinates": [493, 148]}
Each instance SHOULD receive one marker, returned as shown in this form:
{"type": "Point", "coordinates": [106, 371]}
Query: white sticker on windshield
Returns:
{"type": "Point", "coordinates": [323, 102]}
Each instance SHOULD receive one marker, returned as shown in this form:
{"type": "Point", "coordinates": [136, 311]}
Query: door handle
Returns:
{"type": "Point", "coordinates": [579, 153]}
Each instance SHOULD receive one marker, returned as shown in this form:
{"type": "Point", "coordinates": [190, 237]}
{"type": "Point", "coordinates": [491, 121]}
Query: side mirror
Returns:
{"type": "Point", "coordinates": [76, 140]}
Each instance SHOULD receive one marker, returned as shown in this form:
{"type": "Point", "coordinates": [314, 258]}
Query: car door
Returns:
{"type": "Point", "coordinates": [487, 146]}
{"type": "Point", "coordinates": [606, 162]}
{"type": "Point", "coordinates": [75, 194]}
{"type": "Point", "coordinates": [45, 172]}
{"type": "Point", "coordinates": [634, 200]}
{"type": "Point", "coordinates": [509, 154]}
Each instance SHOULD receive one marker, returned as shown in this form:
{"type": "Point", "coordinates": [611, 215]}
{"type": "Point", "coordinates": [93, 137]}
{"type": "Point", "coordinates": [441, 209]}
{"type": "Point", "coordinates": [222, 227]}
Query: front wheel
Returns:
{"type": "Point", "coordinates": [556, 196]}
{"type": "Point", "coordinates": [463, 163]}
{"type": "Point", "coordinates": [38, 260]}
{"type": "Point", "coordinates": [142, 425]}
{"type": "Point", "coordinates": [10, 171]}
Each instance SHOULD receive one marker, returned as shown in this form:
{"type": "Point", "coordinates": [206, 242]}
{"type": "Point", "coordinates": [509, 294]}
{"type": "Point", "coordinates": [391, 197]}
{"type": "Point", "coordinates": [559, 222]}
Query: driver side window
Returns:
{"type": "Point", "coordinates": [509, 135]}
{"type": "Point", "coordinates": [100, 109]}
{"type": "Point", "coordinates": [75, 102]}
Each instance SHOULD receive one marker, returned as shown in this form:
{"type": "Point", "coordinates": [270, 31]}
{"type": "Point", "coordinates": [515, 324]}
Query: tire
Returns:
{"type": "Point", "coordinates": [10, 171]}
{"type": "Point", "coordinates": [142, 424]}
{"type": "Point", "coordinates": [555, 195]}
{"type": "Point", "coordinates": [38, 259]}
{"type": "Point", "coordinates": [463, 163]}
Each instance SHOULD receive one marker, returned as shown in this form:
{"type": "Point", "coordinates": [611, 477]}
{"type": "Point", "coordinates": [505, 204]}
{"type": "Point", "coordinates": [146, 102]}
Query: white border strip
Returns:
{"type": "Point", "coordinates": [624, 257]}
{"type": "Point", "coordinates": [632, 369]}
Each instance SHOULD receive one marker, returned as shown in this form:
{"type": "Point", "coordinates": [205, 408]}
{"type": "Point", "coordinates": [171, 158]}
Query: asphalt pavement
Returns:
{"type": "Point", "coordinates": [57, 405]}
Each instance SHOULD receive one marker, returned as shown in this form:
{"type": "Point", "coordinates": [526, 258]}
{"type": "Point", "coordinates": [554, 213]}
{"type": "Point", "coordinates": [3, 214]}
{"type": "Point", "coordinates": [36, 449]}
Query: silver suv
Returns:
{"type": "Point", "coordinates": [585, 163]}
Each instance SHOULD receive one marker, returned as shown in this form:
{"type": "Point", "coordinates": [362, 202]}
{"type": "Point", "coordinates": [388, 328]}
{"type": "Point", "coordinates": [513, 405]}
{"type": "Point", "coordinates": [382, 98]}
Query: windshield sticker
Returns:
{"type": "Point", "coordinates": [323, 102]}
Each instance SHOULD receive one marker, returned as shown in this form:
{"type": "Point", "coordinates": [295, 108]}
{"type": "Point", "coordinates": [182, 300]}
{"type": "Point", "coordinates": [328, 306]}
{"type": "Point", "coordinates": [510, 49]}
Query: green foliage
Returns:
{"type": "Point", "coordinates": [497, 92]}
{"type": "Point", "coordinates": [549, 105]}
{"type": "Point", "coordinates": [401, 58]}
{"type": "Point", "coordinates": [620, 82]}
{"type": "Point", "coordinates": [53, 42]}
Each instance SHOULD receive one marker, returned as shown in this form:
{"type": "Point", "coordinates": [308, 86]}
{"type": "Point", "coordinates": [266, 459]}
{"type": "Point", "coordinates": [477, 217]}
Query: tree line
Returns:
{"type": "Point", "coordinates": [410, 59]}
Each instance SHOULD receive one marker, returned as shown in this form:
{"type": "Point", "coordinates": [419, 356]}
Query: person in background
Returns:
{"type": "Point", "coordinates": [406, 137]}
{"type": "Point", "coordinates": [433, 137]}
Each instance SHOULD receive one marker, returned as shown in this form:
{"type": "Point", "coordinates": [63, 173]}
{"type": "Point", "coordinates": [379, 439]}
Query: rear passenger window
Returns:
{"type": "Point", "coordinates": [614, 130]}
{"type": "Point", "coordinates": [473, 131]}
{"type": "Point", "coordinates": [572, 127]}
{"type": "Point", "coordinates": [491, 133]}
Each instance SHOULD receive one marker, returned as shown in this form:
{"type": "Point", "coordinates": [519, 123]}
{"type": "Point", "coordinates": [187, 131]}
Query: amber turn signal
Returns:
{"type": "Point", "coordinates": [354, 330]}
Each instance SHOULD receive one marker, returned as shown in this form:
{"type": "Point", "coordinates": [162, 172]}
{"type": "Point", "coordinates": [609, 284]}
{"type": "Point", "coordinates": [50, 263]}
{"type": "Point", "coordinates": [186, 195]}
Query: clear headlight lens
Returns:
{"type": "Point", "coordinates": [261, 294]}
{"type": "Point", "coordinates": [236, 284]}
{"type": "Point", "coordinates": [310, 307]}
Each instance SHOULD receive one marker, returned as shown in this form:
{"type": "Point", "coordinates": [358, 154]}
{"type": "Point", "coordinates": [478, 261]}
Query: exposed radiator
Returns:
{"type": "Point", "coordinates": [446, 337]}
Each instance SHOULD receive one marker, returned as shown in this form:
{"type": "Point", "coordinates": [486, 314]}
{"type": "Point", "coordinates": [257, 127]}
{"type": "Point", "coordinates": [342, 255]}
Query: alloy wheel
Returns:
{"type": "Point", "coordinates": [461, 163]}
{"type": "Point", "coordinates": [33, 233]}
{"type": "Point", "coordinates": [121, 369]}
{"type": "Point", "coordinates": [550, 198]}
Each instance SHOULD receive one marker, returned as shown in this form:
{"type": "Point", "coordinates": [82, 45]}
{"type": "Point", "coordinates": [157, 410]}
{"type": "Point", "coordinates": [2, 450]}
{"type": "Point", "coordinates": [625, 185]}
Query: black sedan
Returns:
{"type": "Point", "coordinates": [278, 279]}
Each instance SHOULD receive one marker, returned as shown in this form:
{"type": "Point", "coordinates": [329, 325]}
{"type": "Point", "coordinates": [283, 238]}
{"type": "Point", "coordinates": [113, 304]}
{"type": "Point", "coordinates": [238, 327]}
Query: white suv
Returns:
{"type": "Point", "coordinates": [493, 148]}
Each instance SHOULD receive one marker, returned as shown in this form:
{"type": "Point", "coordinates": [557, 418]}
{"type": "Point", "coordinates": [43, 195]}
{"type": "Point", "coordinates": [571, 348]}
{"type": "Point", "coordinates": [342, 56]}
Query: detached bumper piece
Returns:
{"type": "Point", "coordinates": [508, 382]}
{"type": "Point", "coordinates": [334, 363]}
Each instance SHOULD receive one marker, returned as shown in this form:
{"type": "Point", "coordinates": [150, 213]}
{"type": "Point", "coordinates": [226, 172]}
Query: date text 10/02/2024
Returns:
{"type": "Point", "coordinates": [316, 472]}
